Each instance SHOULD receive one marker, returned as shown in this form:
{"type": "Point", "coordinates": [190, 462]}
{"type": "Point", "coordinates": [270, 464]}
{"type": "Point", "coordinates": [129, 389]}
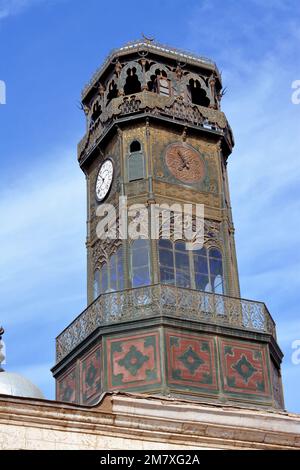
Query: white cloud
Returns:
{"type": "Point", "coordinates": [42, 234]}
{"type": "Point", "coordinates": [257, 52]}
{"type": "Point", "coordinates": [15, 7]}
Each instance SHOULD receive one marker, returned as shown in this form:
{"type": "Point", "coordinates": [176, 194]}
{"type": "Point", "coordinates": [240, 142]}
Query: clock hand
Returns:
{"type": "Point", "coordinates": [185, 164]}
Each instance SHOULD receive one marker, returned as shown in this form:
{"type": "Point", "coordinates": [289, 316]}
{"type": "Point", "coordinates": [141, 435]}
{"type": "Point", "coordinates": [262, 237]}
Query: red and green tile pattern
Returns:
{"type": "Point", "coordinates": [133, 361]}
{"type": "Point", "coordinates": [66, 387]}
{"type": "Point", "coordinates": [90, 376]}
{"type": "Point", "coordinates": [191, 361]}
{"type": "Point", "coordinates": [244, 368]}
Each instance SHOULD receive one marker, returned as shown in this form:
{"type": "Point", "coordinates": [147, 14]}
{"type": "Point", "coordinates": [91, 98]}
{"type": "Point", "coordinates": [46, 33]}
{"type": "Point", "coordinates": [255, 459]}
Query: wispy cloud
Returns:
{"type": "Point", "coordinates": [42, 229]}
{"type": "Point", "coordinates": [257, 52]}
{"type": "Point", "coordinates": [15, 7]}
{"type": "Point", "coordinates": [42, 263]}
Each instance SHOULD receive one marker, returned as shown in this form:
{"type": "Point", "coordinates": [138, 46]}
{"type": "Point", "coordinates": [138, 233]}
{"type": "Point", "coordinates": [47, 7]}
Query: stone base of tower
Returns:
{"type": "Point", "coordinates": [129, 422]}
{"type": "Point", "coordinates": [168, 356]}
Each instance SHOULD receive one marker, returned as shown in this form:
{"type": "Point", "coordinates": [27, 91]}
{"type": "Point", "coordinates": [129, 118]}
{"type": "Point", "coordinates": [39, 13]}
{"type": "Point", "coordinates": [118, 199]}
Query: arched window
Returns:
{"type": "Point", "coordinates": [136, 170]}
{"type": "Point", "coordinates": [104, 279]}
{"type": "Point", "coordinates": [166, 261]}
{"type": "Point", "coordinates": [182, 265]}
{"type": "Point", "coordinates": [116, 276]}
{"type": "Point", "coordinates": [174, 263]}
{"type": "Point", "coordinates": [96, 283]}
{"type": "Point", "coordinates": [132, 84]}
{"type": "Point", "coordinates": [197, 94]}
{"type": "Point", "coordinates": [140, 263]}
{"type": "Point", "coordinates": [208, 270]}
{"type": "Point", "coordinates": [110, 277]}
{"type": "Point", "coordinates": [216, 271]}
{"type": "Point", "coordinates": [199, 269]}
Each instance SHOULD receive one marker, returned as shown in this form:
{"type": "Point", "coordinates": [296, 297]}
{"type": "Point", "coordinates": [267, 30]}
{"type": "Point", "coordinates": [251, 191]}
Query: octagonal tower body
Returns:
{"type": "Point", "coordinates": [162, 319]}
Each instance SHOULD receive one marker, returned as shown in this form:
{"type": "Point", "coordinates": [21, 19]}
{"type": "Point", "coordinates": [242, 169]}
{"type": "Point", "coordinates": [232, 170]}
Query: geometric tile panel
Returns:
{"type": "Point", "coordinates": [90, 376]}
{"type": "Point", "coordinates": [191, 360]}
{"type": "Point", "coordinates": [133, 361]}
{"type": "Point", "coordinates": [66, 386]}
{"type": "Point", "coordinates": [244, 368]}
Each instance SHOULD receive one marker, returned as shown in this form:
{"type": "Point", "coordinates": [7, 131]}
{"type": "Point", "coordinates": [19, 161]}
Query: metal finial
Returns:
{"type": "Point", "coordinates": [147, 38]}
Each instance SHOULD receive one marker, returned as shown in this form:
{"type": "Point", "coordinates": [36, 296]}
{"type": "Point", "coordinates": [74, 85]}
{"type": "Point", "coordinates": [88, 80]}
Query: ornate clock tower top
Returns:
{"type": "Point", "coordinates": [162, 318]}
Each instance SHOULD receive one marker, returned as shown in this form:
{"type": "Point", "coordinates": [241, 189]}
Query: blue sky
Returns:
{"type": "Point", "coordinates": [48, 51]}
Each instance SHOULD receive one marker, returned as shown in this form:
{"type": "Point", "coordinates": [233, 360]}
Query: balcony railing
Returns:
{"type": "Point", "coordinates": [164, 300]}
{"type": "Point", "coordinates": [147, 102]}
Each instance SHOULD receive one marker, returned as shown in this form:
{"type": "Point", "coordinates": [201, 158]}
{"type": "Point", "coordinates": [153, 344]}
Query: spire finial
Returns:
{"type": "Point", "coordinates": [2, 356]}
{"type": "Point", "coordinates": [147, 38]}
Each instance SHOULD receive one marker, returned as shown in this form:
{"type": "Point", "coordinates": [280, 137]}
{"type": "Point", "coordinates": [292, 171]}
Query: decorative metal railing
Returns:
{"type": "Point", "coordinates": [147, 102]}
{"type": "Point", "coordinates": [164, 300]}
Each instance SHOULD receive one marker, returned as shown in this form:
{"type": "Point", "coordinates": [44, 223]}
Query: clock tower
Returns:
{"type": "Point", "coordinates": [162, 318]}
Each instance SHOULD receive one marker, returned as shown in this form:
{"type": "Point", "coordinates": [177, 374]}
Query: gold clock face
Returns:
{"type": "Point", "coordinates": [185, 163]}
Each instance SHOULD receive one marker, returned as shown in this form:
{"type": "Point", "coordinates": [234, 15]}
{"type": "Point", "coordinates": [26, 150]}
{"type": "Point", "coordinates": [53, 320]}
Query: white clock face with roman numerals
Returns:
{"type": "Point", "coordinates": [104, 179]}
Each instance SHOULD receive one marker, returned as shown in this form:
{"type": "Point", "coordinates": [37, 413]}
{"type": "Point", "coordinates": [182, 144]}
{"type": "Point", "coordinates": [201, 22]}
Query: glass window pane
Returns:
{"type": "Point", "coordinates": [167, 275]}
{"type": "Point", "coordinates": [135, 166]}
{"type": "Point", "coordinates": [200, 264]}
{"type": "Point", "coordinates": [215, 267]}
{"type": "Point", "coordinates": [180, 246]}
{"type": "Point", "coordinates": [202, 283]}
{"type": "Point", "coordinates": [104, 279]}
{"type": "Point", "coordinates": [140, 277]}
{"type": "Point", "coordinates": [166, 258]}
{"type": "Point", "coordinates": [201, 252]}
{"type": "Point", "coordinates": [214, 253]}
{"type": "Point", "coordinates": [182, 279]}
{"type": "Point", "coordinates": [164, 243]}
{"type": "Point", "coordinates": [140, 244]}
{"type": "Point", "coordinates": [120, 269]}
{"type": "Point", "coordinates": [218, 285]}
{"type": "Point", "coordinates": [96, 283]}
{"type": "Point", "coordinates": [182, 261]}
{"type": "Point", "coordinates": [140, 263]}
{"type": "Point", "coordinates": [140, 257]}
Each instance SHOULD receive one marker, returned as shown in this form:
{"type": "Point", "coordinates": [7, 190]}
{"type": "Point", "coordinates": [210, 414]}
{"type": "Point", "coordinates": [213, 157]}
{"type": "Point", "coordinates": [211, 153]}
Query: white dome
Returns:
{"type": "Point", "coordinates": [18, 386]}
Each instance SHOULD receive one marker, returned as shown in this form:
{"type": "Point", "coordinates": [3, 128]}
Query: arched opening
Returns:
{"type": "Point", "coordinates": [112, 91]}
{"type": "Point", "coordinates": [135, 146]}
{"type": "Point", "coordinates": [197, 94]}
{"type": "Point", "coordinates": [140, 263]}
{"type": "Point", "coordinates": [132, 84]}
{"type": "Point", "coordinates": [136, 170]}
{"type": "Point", "coordinates": [96, 112]}
{"type": "Point", "coordinates": [159, 83]}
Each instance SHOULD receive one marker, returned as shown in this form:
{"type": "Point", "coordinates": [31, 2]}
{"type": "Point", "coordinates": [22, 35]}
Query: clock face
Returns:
{"type": "Point", "coordinates": [104, 179]}
{"type": "Point", "coordinates": [185, 163]}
